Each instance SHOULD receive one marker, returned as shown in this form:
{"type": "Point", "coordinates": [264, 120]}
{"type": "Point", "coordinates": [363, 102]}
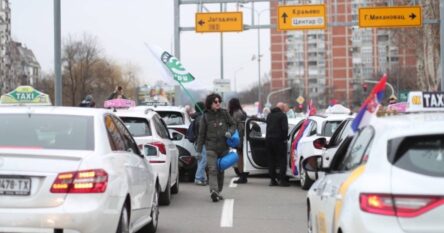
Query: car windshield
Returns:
{"type": "Point", "coordinates": [138, 127]}
{"type": "Point", "coordinates": [41, 131]}
{"type": "Point", "coordinates": [330, 127]}
{"type": "Point", "coordinates": [172, 118]}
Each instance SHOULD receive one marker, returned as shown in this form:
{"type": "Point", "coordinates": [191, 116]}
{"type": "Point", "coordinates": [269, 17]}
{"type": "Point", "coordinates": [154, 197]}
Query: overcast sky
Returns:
{"type": "Point", "coordinates": [122, 27]}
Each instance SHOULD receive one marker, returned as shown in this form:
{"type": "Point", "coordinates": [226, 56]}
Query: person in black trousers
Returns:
{"type": "Point", "coordinates": [276, 142]}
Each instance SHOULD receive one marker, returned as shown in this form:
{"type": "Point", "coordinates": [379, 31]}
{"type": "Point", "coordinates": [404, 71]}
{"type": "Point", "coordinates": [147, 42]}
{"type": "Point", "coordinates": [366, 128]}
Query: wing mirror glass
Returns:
{"type": "Point", "coordinates": [149, 150]}
{"type": "Point", "coordinates": [176, 136]}
{"type": "Point", "coordinates": [313, 163]}
{"type": "Point", "coordinates": [320, 143]}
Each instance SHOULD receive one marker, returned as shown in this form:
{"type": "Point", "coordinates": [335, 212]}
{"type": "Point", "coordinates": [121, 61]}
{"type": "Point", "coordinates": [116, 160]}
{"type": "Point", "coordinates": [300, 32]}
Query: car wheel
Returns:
{"type": "Point", "coordinates": [152, 226]}
{"type": "Point", "coordinates": [306, 182]}
{"type": "Point", "coordinates": [165, 196]}
{"type": "Point", "coordinates": [175, 188]}
{"type": "Point", "coordinates": [123, 226]}
{"type": "Point", "coordinates": [309, 220]}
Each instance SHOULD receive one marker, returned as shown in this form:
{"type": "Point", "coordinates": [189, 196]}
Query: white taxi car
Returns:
{"type": "Point", "coordinates": [178, 121]}
{"type": "Point", "coordinates": [391, 178]}
{"type": "Point", "coordinates": [148, 128]}
{"type": "Point", "coordinates": [72, 170]}
{"type": "Point", "coordinates": [319, 127]}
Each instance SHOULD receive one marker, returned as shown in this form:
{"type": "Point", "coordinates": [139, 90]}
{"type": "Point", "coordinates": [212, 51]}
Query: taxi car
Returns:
{"type": "Point", "coordinates": [389, 180]}
{"type": "Point", "coordinates": [67, 169]}
{"type": "Point", "coordinates": [178, 121]}
{"type": "Point", "coordinates": [319, 130]}
{"type": "Point", "coordinates": [148, 128]}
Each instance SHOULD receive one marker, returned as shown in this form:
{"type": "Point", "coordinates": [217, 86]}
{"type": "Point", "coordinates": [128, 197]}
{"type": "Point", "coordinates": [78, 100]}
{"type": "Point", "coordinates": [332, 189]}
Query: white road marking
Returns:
{"type": "Point", "coordinates": [232, 184]}
{"type": "Point", "coordinates": [226, 219]}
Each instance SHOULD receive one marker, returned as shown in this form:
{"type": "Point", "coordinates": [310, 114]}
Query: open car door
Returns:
{"type": "Point", "coordinates": [255, 150]}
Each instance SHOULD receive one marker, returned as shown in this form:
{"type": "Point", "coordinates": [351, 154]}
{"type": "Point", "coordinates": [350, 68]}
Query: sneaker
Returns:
{"type": "Point", "coordinates": [214, 196]}
{"type": "Point", "coordinates": [200, 182]}
{"type": "Point", "coordinates": [220, 197]}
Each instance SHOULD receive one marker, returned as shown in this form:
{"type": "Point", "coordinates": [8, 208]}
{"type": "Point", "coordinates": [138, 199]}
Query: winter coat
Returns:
{"type": "Point", "coordinates": [277, 125]}
{"type": "Point", "coordinates": [239, 118]}
{"type": "Point", "coordinates": [212, 129]}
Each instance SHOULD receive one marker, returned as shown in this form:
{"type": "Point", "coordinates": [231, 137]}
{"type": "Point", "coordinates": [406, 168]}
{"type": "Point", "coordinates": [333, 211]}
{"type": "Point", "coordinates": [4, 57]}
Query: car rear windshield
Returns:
{"type": "Point", "coordinates": [330, 127]}
{"type": "Point", "coordinates": [419, 154]}
{"type": "Point", "coordinates": [41, 131]}
{"type": "Point", "coordinates": [138, 127]}
{"type": "Point", "coordinates": [172, 118]}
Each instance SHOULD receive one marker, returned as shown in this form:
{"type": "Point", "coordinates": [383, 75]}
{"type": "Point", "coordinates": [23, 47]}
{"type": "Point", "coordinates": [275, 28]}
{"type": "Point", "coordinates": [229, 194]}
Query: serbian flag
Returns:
{"type": "Point", "coordinates": [311, 110]}
{"type": "Point", "coordinates": [370, 106]}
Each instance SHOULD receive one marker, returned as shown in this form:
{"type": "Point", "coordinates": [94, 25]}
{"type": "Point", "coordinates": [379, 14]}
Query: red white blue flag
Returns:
{"type": "Point", "coordinates": [311, 110]}
{"type": "Point", "coordinates": [370, 106]}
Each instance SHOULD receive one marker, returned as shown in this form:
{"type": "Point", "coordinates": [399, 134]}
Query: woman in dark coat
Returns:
{"type": "Point", "coordinates": [215, 127]}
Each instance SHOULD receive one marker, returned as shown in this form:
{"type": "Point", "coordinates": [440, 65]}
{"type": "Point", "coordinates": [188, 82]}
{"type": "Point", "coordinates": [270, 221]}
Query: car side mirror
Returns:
{"type": "Point", "coordinates": [313, 164]}
{"type": "Point", "coordinates": [320, 143]}
{"type": "Point", "coordinates": [149, 150]}
{"type": "Point", "coordinates": [176, 136]}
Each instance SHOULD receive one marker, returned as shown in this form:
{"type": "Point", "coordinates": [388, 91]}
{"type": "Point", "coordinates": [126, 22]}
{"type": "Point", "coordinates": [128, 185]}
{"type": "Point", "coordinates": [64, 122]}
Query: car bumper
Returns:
{"type": "Point", "coordinates": [77, 214]}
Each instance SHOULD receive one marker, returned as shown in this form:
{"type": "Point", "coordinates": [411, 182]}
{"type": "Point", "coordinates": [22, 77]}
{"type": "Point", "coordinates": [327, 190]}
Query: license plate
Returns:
{"type": "Point", "coordinates": [15, 186]}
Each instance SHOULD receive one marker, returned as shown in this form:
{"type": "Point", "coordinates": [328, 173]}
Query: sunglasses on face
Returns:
{"type": "Point", "coordinates": [216, 102]}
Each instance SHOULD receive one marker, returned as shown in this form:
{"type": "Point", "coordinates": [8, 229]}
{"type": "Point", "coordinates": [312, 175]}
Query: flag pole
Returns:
{"type": "Point", "coordinates": [190, 96]}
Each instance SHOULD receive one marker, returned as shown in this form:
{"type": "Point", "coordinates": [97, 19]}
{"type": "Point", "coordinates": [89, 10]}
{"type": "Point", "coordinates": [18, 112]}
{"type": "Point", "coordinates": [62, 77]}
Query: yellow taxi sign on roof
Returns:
{"type": "Point", "coordinates": [25, 95]}
{"type": "Point", "coordinates": [425, 101]}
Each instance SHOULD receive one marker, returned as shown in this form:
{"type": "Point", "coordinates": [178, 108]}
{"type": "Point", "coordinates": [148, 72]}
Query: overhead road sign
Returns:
{"type": "Point", "coordinates": [219, 22]}
{"type": "Point", "coordinates": [302, 17]}
{"type": "Point", "coordinates": [390, 17]}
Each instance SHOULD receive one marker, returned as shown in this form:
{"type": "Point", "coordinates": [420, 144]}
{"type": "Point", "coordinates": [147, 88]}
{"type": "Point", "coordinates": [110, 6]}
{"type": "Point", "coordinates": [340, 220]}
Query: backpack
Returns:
{"type": "Point", "coordinates": [193, 130]}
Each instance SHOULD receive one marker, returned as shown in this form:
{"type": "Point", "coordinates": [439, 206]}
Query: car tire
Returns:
{"type": "Point", "coordinates": [123, 226]}
{"type": "Point", "coordinates": [175, 188]}
{"type": "Point", "coordinates": [305, 180]}
{"type": "Point", "coordinates": [165, 196]}
{"type": "Point", "coordinates": [152, 226]}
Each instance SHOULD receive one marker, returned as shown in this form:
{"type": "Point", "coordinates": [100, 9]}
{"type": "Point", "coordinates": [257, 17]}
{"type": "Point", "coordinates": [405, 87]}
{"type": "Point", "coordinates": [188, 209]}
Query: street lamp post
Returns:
{"type": "Point", "coordinates": [259, 91]}
{"type": "Point", "coordinates": [235, 78]}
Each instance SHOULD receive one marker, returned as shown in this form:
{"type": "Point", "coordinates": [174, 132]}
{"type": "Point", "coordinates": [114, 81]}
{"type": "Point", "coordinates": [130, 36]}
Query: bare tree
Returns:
{"type": "Point", "coordinates": [79, 59]}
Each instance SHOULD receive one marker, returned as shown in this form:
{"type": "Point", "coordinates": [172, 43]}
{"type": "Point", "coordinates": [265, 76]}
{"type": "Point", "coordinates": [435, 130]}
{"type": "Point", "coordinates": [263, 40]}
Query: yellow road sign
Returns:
{"type": "Point", "coordinates": [300, 100]}
{"type": "Point", "coordinates": [219, 22]}
{"type": "Point", "coordinates": [385, 17]}
{"type": "Point", "coordinates": [302, 17]}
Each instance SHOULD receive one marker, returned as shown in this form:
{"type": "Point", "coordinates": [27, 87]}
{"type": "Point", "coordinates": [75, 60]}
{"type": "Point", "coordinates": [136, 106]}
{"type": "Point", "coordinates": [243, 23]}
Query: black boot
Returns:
{"type": "Point", "coordinates": [242, 178]}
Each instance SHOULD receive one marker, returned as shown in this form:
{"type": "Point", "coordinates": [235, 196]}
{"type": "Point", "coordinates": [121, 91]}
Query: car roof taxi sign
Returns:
{"type": "Point", "coordinates": [425, 101]}
{"type": "Point", "coordinates": [25, 95]}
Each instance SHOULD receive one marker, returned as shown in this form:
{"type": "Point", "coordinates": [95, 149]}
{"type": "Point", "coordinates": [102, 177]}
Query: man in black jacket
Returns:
{"type": "Point", "coordinates": [276, 142]}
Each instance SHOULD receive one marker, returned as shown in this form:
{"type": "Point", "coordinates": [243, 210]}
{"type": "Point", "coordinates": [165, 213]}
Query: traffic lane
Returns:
{"type": "Point", "coordinates": [257, 207]}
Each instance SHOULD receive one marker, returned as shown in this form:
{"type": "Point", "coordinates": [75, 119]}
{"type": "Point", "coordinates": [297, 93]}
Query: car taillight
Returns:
{"type": "Point", "coordinates": [87, 181]}
{"type": "Point", "coordinates": [398, 205]}
{"type": "Point", "coordinates": [160, 146]}
{"type": "Point", "coordinates": [181, 130]}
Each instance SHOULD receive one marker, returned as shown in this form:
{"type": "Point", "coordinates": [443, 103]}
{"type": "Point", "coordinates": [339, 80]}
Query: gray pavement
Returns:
{"type": "Point", "coordinates": [258, 208]}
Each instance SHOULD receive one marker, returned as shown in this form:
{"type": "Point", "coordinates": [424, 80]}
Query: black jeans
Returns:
{"type": "Point", "coordinates": [277, 157]}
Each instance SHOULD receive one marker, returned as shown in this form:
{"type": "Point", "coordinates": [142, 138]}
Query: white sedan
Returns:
{"type": "Point", "coordinates": [390, 180]}
{"type": "Point", "coordinates": [72, 170]}
{"type": "Point", "coordinates": [148, 128]}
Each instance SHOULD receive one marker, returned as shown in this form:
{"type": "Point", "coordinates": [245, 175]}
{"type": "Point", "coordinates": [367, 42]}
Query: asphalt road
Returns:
{"type": "Point", "coordinates": [254, 207]}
